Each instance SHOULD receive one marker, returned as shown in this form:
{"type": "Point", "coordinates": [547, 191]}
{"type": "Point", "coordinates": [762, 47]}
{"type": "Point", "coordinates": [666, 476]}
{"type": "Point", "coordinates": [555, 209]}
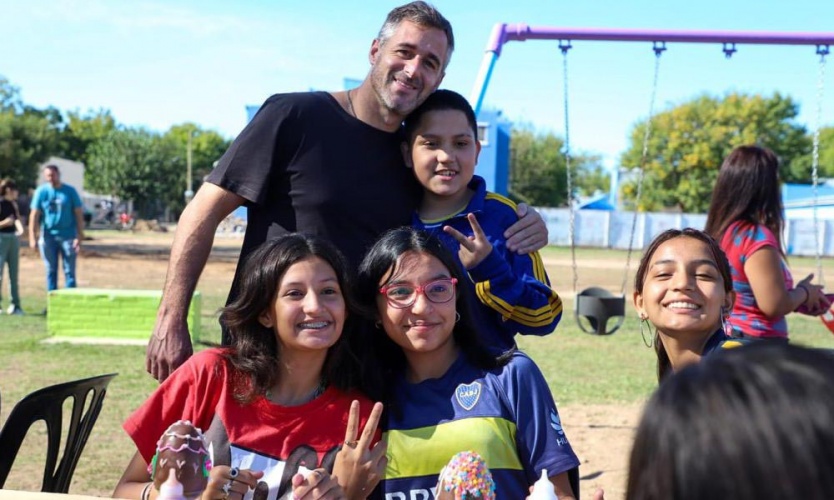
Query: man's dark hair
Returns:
{"type": "Point", "coordinates": [421, 14]}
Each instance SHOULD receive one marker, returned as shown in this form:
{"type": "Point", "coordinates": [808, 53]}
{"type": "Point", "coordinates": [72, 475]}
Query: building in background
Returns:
{"type": "Point", "coordinates": [494, 132]}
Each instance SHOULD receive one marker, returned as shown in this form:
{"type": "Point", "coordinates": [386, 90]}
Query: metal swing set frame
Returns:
{"type": "Point", "coordinates": [595, 304]}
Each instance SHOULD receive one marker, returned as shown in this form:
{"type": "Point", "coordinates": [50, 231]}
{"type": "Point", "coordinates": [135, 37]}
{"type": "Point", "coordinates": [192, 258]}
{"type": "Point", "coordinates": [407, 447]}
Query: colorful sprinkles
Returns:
{"type": "Point", "coordinates": [467, 476]}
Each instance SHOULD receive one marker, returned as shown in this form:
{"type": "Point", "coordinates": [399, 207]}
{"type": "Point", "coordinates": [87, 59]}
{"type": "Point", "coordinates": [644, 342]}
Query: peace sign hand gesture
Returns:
{"type": "Point", "coordinates": [359, 467]}
{"type": "Point", "coordinates": [473, 249]}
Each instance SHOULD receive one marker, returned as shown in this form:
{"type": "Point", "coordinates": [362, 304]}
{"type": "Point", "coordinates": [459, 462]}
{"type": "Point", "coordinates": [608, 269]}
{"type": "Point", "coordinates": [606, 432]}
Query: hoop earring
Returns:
{"type": "Point", "coordinates": [378, 324]}
{"type": "Point", "coordinates": [457, 316]}
{"type": "Point", "coordinates": [644, 320]}
{"type": "Point", "coordinates": [726, 326]}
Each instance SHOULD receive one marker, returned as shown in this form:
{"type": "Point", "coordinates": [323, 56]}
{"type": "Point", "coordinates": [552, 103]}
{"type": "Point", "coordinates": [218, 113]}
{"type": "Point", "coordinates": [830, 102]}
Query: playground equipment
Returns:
{"type": "Point", "coordinates": [597, 305]}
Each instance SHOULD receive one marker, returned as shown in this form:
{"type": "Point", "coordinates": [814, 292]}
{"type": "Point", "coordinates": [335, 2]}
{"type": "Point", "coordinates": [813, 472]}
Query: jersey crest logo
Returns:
{"type": "Point", "coordinates": [556, 422]}
{"type": "Point", "coordinates": [468, 395]}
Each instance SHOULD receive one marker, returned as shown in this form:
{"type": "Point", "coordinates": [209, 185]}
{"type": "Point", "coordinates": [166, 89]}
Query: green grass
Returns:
{"type": "Point", "coordinates": [30, 364]}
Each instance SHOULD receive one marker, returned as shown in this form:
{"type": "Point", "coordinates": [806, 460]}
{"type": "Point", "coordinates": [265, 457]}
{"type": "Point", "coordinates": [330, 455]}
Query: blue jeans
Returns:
{"type": "Point", "coordinates": [50, 247]}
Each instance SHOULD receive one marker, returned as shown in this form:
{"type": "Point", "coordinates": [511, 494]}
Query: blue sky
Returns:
{"type": "Point", "coordinates": [159, 63]}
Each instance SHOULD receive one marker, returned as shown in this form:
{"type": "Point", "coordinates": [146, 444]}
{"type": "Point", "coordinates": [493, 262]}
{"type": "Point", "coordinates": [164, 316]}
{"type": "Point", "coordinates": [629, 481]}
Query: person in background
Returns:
{"type": "Point", "coordinates": [750, 423]}
{"type": "Point", "coordinates": [327, 163]}
{"type": "Point", "coordinates": [441, 147]}
{"type": "Point", "coordinates": [11, 229]}
{"type": "Point", "coordinates": [444, 392]}
{"type": "Point", "coordinates": [56, 226]}
{"type": "Point", "coordinates": [282, 400]}
{"type": "Point", "coordinates": [747, 218]}
{"type": "Point", "coordinates": [683, 287]}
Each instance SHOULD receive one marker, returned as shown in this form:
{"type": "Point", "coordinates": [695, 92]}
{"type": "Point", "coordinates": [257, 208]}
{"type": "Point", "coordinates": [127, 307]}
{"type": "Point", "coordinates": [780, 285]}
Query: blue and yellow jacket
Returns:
{"type": "Point", "coordinates": [513, 290]}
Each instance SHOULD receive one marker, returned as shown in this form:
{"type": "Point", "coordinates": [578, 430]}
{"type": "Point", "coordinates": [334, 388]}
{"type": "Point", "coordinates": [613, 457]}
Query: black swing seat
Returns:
{"type": "Point", "coordinates": [598, 305]}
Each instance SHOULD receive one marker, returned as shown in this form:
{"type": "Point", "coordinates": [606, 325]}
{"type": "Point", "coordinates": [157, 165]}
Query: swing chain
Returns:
{"type": "Point", "coordinates": [822, 51]}
{"type": "Point", "coordinates": [659, 48]}
{"type": "Point", "coordinates": [564, 46]}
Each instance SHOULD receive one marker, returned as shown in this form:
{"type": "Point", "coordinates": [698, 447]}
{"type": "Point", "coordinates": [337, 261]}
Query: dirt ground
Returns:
{"type": "Point", "coordinates": [601, 435]}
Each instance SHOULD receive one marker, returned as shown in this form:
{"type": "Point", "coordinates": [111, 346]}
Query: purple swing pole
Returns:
{"type": "Point", "coordinates": [503, 33]}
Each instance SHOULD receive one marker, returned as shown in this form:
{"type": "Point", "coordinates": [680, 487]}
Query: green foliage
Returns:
{"type": "Point", "coordinates": [149, 168]}
{"type": "Point", "coordinates": [826, 159]}
{"type": "Point", "coordinates": [83, 130]}
{"type": "Point", "coordinates": [688, 143]}
{"type": "Point", "coordinates": [9, 96]}
{"type": "Point", "coordinates": [538, 174]}
{"type": "Point", "coordinates": [28, 136]}
{"type": "Point", "coordinates": [133, 164]}
{"type": "Point", "coordinates": [207, 146]}
{"type": "Point", "coordinates": [592, 178]}
{"type": "Point", "coordinates": [130, 163]}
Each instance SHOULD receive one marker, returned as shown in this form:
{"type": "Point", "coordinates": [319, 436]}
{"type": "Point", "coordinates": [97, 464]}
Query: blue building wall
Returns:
{"type": "Point", "coordinates": [494, 161]}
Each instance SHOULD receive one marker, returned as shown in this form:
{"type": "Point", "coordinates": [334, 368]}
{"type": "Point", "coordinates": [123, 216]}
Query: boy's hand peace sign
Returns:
{"type": "Point", "coordinates": [473, 249]}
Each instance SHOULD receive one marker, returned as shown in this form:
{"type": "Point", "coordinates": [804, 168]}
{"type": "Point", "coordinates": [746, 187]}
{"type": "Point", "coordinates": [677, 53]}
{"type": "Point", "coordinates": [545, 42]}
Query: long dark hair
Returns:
{"type": "Point", "coordinates": [254, 349]}
{"type": "Point", "coordinates": [752, 422]}
{"type": "Point", "coordinates": [664, 366]}
{"type": "Point", "coordinates": [381, 261]}
{"type": "Point", "coordinates": [747, 189]}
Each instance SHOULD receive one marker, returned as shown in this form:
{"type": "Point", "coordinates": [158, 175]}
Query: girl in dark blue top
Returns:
{"type": "Point", "coordinates": [444, 392]}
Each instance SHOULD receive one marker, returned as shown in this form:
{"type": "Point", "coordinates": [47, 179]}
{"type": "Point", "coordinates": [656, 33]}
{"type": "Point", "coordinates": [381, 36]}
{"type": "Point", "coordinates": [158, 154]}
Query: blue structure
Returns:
{"type": "Point", "coordinates": [494, 161]}
{"type": "Point", "coordinates": [798, 200]}
{"type": "Point", "coordinates": [599, 201]}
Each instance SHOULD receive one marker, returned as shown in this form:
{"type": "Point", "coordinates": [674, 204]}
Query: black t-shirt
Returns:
{"type": "Point", "coordinates": [304, 164]}
{"type": "Point", "coordinates": [7, 210]}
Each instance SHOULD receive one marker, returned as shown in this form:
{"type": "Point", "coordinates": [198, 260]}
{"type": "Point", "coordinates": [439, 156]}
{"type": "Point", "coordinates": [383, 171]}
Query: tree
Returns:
{"type": "Point", "coordinates": [133, 164]}
{"type": "Point", "coordinates": [9, 96]}
{"type": "Point", "coordinates": [82, 130]}
{"type": "Point", "coordinates": [689, 142]}
{"type": "Point", "coordinates": [149, 168]}
{"type": "Point", "coordinates": [537, 168]}
{"type": "Point", "coordinates": [538, 174]}
{"type": "Point", "coordinates": [28, 136]}
{"type": "Point", "coordinates": [591, 177]}
{"type": "Point", "coordinates": [207, 146]}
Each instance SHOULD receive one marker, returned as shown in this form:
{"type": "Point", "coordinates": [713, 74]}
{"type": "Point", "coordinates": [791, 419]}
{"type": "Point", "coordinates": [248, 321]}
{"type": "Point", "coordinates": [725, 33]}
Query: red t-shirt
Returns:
{"type": "Point", "coordinates": [261, 435]}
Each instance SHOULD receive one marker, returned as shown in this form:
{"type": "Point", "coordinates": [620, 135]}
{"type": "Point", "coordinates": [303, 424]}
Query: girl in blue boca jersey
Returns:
{"type": "Point", "coordinates": [443, 391]}
{"type": "Point", "coordinates": [684, 288]}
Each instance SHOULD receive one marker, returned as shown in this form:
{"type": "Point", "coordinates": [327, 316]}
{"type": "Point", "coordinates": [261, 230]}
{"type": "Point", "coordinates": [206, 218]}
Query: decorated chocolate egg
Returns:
{"type": "Point", "coordinates": [181, 453]}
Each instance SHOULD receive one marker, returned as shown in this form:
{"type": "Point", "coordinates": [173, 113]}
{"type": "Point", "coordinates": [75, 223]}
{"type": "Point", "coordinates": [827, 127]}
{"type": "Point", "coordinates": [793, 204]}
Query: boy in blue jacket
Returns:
{"type": "Point", "coordinates": [441, 146]}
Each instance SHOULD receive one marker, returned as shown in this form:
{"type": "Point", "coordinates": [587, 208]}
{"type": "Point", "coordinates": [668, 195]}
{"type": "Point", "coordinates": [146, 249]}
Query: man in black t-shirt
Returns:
{"type": "Point", "coordinates": [320, 163]}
